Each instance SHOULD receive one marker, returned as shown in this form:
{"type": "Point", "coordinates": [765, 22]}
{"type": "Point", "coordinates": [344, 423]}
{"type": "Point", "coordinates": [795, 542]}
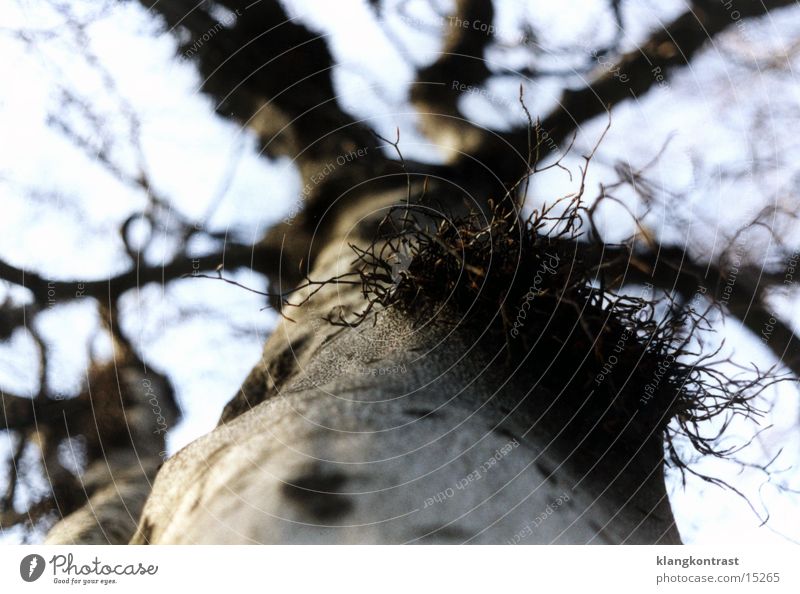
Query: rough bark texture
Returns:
{"type": "Point", "coordinates": [348, 435]}
{"type": "Point", "coordinates": [343, 456]}
{"type": "Point", "coordinates": [362, 434]}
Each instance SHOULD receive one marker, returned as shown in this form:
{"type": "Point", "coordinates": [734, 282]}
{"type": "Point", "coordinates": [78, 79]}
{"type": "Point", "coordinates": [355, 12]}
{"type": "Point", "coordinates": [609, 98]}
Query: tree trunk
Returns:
{"type": "Point", "coordinates": [395, 431]}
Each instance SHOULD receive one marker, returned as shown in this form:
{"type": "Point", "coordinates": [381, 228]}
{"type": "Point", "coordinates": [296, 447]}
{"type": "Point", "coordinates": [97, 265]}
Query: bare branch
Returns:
{"type": "Point", "coordinates": [260, 257]}
{"type": "Point", "coordinates": [269, 72]}
{"type": "Point", "coordinates": [667, 49]}
{"type": "Point", "coordinates": [673, 270]}
{"type": "Point", "coordinates": [460, 67]}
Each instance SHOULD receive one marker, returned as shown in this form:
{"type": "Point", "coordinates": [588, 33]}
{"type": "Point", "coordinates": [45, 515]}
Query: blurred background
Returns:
{"type": "Point", "coordinates": [112, 161]}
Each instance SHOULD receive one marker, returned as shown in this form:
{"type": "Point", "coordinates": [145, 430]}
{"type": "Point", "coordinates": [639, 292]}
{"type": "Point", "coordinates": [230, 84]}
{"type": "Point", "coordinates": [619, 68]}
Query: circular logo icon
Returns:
{"type": "Point", "coordinates": [31, 567]}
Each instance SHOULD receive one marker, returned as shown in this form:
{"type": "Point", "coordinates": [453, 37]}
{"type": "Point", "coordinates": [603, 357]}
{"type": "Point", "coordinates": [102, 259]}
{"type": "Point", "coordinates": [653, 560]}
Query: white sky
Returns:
{"type": "Point", "coordinates": [61, 210]}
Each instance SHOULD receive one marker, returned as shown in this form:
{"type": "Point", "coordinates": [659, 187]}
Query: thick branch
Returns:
{"type": "Point", "coordinates": [260, 257]}
{"type": "Point", "coordinates": [12, 317]}
{"type": "Point", "coordinates": [18, 412]}
{"type": "Point", "coordinates": [668, 49]}
{"type": "Point", "coordinates": [460, 61]}
{"type": "Point", "coordinates": [460, 68]}
{"type": "Point", "coordinates": [743, 293]}
{"type": "Point", "coordinates": [271, 73]}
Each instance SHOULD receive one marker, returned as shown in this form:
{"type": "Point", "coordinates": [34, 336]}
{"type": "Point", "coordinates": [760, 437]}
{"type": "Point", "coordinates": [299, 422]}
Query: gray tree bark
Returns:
{"type": "Point", "coordinates": [396, 432]}
{"type": "Point", "coordinates": [392, 432]}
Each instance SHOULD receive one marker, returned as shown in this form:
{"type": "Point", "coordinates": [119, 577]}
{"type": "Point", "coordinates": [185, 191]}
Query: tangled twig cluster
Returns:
{"type": "Point", "coordinates": [621, 368]}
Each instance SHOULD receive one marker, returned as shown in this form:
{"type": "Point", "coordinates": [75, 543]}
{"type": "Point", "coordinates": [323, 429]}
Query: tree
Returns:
{"type": "Point", "coordinates": [453, 363]}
